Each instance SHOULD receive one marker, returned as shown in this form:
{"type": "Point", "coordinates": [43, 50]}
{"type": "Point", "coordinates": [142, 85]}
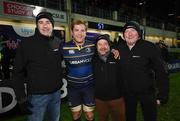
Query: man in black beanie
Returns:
{"type": "Point", "coordinates": [139, 60]}
{"type": "Point", "coordinates": [46, 15]}
{"type": "Point", "coordinates": [108, 83]}
{"type": "Point", "coordinates": [38, 64]}
{"type": "Point", "coordinates": [134, 25]}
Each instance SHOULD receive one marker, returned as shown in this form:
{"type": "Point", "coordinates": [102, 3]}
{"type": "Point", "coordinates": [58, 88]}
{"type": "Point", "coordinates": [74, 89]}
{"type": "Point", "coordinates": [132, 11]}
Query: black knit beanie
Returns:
{"type": "Point", "coordinates": [134, 25]}
{"type": "Point", "coordinates": [104, 36]}
{"type": "Point", "coordinates": [46, 15]}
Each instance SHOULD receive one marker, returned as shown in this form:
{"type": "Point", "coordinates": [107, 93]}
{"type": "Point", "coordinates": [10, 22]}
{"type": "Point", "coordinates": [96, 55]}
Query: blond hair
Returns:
{"type": "Point", "coordinates": [78, 22]}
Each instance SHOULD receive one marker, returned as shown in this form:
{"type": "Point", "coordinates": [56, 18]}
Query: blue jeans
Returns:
{"type": "Point", "coordinates": [45, 102]}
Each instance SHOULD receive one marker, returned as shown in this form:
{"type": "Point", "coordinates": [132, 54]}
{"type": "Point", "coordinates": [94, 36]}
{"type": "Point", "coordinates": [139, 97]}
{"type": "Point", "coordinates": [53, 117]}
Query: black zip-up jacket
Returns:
{"type": "Point", "coordinates": [137, 66]}
{"type": "Point", "coordinates": [107, 78]}
{"type": "Point", "coordinates": [37, 62]}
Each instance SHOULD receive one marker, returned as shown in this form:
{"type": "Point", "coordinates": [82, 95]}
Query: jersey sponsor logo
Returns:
{"type": "Point", "coordinates": [81, 61]}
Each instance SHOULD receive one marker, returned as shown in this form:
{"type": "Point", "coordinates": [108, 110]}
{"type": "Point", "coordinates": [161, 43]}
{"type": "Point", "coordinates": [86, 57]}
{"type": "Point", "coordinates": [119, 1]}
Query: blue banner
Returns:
{"type": "Point", "coordinates": [174, 66]}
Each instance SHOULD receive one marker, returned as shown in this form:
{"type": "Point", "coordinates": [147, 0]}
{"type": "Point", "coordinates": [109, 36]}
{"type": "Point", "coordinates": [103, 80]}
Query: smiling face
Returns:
{"type": "Point", "coordinates": [103, 47]}
{"type": "Point", "coordinates": [131, 36]}
{"type": "Point", "coordinates": [79, 33]}
{"type": "Point", "coordinates": [45, 27]}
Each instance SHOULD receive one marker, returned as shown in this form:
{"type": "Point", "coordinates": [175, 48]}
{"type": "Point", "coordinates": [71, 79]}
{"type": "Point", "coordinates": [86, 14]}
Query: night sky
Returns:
{"type": "Point", "coordinates": [164, 9]}
{"type": "Point", "coordinates": [157, 8]}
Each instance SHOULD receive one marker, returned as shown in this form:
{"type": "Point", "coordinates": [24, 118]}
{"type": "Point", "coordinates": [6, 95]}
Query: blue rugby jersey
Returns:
{"type": "Point", "coordinates": [78, 62]}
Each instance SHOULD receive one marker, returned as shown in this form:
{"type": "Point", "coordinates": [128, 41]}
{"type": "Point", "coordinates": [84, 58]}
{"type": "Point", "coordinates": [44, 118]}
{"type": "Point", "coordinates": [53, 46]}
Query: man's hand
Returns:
{"type": "Point", "coordinates": [161, 102]}
{"type": "Point", "coordinates": [158, 102]}
{"type": "Point", "coordinates": [24, 107]}
{"type": "Point", "coordinates": [116, 53]}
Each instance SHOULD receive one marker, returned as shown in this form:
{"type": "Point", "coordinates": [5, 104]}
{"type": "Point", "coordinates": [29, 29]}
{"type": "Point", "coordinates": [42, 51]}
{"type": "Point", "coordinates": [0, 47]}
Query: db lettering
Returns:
{"type": "Point", "coordinates": [12, 104]}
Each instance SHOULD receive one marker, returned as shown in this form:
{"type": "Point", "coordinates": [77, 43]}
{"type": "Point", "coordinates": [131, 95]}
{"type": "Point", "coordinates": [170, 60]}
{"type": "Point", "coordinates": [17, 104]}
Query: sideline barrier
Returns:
{"type": "Point", "coordinates": [8, 103]}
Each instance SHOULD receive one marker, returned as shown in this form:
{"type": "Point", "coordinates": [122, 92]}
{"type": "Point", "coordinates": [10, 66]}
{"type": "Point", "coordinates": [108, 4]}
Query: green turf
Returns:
{"type": "Point", "coordinates": [168, 112]}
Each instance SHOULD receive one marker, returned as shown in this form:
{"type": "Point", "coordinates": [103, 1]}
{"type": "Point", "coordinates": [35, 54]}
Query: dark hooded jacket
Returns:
{"type": "Point", "coordinates": [108, 83]}
{"type": "Point", "coordinates": [138, 67]}
{"type": "Point", "coordinates": [38, 63]}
